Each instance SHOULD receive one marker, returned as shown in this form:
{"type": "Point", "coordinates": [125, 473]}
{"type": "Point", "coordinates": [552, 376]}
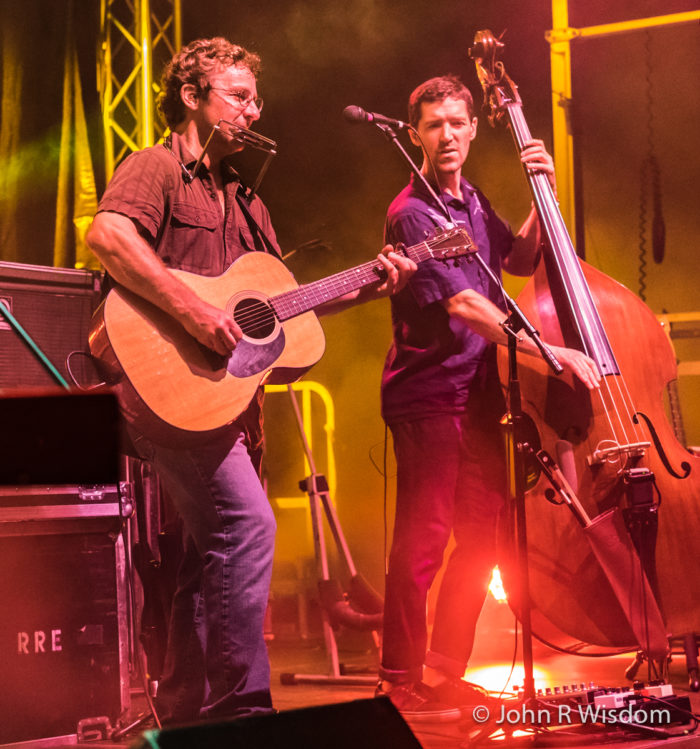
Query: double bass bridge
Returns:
{"type": "Point", "coordinates": [614, 451]}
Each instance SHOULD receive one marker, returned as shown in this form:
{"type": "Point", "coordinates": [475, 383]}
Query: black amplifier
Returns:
{"type": "Point", "coordinates": [55, 437]}
{"type": "Point", "coordinates": [54, 306]}
{"type": "Point", "coordinates": [63, 620]}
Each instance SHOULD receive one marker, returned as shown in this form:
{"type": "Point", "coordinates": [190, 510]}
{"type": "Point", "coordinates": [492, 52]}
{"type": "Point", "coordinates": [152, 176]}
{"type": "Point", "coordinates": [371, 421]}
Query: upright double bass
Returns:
{"type": "Point", "coordinates": [615, 445]}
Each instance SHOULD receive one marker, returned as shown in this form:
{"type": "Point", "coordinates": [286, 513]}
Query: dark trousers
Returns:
{"type": "Point", "coordinates": [451, 477]}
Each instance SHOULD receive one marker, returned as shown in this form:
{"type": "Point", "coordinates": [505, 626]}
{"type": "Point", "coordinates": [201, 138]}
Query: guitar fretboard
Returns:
{"type": "Point", "coordinates": [304, 298]}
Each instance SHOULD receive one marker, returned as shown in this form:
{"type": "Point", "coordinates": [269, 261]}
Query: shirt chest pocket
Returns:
{"type": "Point", "coordinates": [195, 242]}
{"type": "Point", "coordinates": [195, 217]}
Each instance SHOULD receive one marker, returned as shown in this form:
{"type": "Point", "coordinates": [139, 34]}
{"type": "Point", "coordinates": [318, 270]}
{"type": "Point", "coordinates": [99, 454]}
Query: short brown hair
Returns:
{"type": "Point", "coordinates": [437, 89]}
{"type": "Point", "coordinates": [192, 64]}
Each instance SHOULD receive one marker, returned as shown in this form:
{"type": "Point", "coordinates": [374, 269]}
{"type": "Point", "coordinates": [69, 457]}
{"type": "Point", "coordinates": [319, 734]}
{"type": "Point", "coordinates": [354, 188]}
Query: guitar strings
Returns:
{"type": "Point", "coordinates": [257, 317]}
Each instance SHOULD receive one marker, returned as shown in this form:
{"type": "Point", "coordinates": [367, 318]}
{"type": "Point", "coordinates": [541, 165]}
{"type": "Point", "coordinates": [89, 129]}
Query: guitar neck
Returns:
{"type": "Point", "coordinates": [311, 295]}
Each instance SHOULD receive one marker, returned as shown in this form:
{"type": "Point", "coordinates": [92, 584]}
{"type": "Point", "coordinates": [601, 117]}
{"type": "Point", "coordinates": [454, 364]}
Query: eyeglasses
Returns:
{"type": "Point", "coordinates": [244, 98]}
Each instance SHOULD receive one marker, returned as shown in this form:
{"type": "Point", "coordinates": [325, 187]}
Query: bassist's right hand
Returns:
{"type": "Point", "coordinates": [212, 327]}
{"type": "Point", "coordinates": [579, 364]}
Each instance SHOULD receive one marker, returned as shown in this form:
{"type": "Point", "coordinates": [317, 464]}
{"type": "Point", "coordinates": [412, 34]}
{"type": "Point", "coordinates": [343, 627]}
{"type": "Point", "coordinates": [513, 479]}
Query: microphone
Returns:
{"type": "Point", "coordinates": [357, 114]}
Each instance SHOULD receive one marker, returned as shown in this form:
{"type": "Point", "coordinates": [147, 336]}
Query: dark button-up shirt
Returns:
{"type": "Point", "coordinates": [436, 363]}
{"type": "Point", "coordinates": [182, 220]}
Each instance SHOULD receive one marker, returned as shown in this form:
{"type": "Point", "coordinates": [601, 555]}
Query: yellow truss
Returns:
{"type": "Point", "coordinates": [136, 37]}
{"type": "Point", "coordinates": [560, 39]}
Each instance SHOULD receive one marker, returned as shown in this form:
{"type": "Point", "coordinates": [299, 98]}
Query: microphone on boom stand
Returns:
{"type": "Point", "coordinates": [357, 115]}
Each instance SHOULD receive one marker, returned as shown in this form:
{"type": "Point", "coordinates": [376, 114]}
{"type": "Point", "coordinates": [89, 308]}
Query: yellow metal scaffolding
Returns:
{"type": "Point", "coordinates": [136, 38]}
{"type": "Point", "coordinates": [560, 39]}
{"type": "Point", "coordinates": [309, 388]}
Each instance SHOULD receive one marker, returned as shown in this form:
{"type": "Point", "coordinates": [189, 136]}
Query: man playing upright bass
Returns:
{"type": "Point", "coordinates": [442, 399]}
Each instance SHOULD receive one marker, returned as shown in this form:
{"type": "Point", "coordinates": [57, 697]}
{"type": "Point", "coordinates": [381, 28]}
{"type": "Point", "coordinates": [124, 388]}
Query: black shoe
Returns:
{"type": "Point", "coordinates": [459, 693]}
{"type": "Point", "coordinates": [417, 703]}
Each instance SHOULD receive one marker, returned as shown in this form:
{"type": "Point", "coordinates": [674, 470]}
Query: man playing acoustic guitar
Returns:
{"type": "Point", "coordinates": [157, 215]}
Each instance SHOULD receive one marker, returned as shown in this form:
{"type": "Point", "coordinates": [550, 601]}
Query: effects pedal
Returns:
{"type": "Point", "coordinates": [581, 693]}
{"type": "Point", "coordinates": [646, 705]}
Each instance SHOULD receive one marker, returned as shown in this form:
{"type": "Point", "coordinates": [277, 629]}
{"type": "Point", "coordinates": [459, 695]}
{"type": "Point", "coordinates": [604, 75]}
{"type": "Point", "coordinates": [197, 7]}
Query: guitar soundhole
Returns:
{"type": "Point", "coordinates": [254, 317]}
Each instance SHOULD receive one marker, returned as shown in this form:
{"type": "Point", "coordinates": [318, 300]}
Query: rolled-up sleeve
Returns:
{"type": "Point", "coordinates": [434, 280]}
{"type": "Point", "coordinates": [138, 190]}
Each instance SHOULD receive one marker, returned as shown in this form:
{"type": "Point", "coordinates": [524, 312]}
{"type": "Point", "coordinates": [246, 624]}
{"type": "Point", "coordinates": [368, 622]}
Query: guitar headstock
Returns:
{"type": "Point", "coordinates": [450, 243]}
{"type": "Point", "coordinates": [499, 90]}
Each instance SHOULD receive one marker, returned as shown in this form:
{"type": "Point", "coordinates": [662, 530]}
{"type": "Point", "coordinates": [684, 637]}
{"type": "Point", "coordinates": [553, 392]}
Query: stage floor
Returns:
{"type": "Point", "coordinates": [490, 667]}
{"type": "Point", "coordinates": [307, 660]}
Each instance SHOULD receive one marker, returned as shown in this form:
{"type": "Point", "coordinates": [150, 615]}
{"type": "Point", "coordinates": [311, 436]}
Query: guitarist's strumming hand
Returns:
{"type": "Point", "coordinates": [212, 327]}
{"type": "Point", "coordinates": [133, 264]}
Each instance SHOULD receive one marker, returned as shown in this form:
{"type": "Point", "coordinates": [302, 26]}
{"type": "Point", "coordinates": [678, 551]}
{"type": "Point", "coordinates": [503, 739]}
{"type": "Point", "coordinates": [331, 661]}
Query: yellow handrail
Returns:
{"type": "Point", "coordinates": [307, 388]}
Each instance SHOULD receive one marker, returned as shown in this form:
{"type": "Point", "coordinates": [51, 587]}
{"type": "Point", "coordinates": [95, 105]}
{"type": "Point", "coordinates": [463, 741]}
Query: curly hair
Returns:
{"type": "Point", "coordinates": [437, 89]}
{"type": "Point", "coordinates": [192, 64]}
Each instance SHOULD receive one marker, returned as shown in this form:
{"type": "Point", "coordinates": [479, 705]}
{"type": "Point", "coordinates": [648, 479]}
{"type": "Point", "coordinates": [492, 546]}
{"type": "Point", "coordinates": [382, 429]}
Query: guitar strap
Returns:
{"type": "Point", "coordinates": [262, 241]}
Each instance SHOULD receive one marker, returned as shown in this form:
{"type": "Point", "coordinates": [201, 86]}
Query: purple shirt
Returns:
{"type": "Point", "coordinates": [435, 363]}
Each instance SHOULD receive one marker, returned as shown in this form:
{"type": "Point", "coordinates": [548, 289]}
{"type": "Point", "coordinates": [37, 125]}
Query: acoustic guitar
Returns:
{"type": "Point", "coordinates": [164, 375]}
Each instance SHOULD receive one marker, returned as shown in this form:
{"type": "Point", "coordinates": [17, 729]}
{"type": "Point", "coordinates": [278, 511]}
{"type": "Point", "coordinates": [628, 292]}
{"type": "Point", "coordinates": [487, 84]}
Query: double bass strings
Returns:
{"type": "Point", "coordinates": [623, 409]}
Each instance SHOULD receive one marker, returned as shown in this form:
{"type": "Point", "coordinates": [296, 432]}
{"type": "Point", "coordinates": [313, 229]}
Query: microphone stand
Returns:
{"type": "Point", "coordinates": [518, 445]}
{"type": "Point", "coordinates": [393, 138]}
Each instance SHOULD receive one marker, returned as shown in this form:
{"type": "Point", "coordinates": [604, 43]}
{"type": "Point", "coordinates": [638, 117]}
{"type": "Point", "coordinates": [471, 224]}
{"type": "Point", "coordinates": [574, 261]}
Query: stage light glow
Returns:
{"type": "Point", "coordinates": [498, 677]}
{"type": "Point", "coordinates": [496, 586]}
{"type": "Point", "coordinates": [501, 736]}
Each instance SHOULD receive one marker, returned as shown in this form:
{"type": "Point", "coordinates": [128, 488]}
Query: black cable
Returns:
{"type": "Point", "coordinates": [571, 651]}
{"type": "Point", "coordinates": [512, 663]}
{"type": "Point", "coordinates": [386, 492]}
{"type": "Point", "coordinates": [650, 177]}
{"type": "Point", "coordinates": [382, 470]}
{"type": "Point", "coordinates": [129, 575]}
{"type": "Point", "coordinates": [651, 698]}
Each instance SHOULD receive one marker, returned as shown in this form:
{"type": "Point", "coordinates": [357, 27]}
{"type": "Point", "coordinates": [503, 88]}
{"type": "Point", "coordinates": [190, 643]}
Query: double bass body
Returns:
{"type": "Point", "coordinates": [566, 583]}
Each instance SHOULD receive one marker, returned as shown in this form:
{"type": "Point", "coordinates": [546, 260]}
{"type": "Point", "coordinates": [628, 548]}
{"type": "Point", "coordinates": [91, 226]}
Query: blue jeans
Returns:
{"type": "Point", "coordinates": [451, 476]}
{"type": "Point", "coordinates": [216, 662]}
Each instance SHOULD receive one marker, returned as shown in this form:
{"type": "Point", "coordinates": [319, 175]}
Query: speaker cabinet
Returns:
{"type": "Point", "coordinates": [63, 619]}
{"type": "Point", "coordinates": [370, 724]}
{"type": "Point", "coordinates": [54, 306]}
